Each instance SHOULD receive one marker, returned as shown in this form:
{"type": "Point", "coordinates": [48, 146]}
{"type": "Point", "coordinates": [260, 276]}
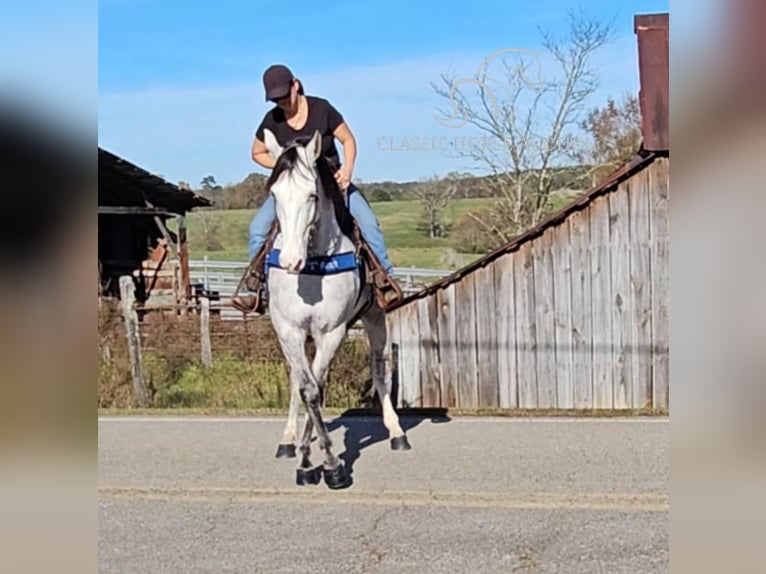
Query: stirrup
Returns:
{"type": "Point", "coordinates": [253, 280]}
{"type": "Point", "coordinates": [387, 291]}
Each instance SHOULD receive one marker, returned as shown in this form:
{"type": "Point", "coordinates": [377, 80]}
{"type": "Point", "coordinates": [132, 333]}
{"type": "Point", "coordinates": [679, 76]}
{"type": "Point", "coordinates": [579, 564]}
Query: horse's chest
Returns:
{"type": "Point", "coordinates": [311, 299]}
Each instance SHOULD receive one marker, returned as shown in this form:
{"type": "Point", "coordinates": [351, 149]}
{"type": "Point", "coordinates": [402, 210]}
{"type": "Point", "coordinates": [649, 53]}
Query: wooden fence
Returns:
{"type": "Point", "coordinates": [150, 348]}
{"type": "Point", "coordinates": [576, 318]}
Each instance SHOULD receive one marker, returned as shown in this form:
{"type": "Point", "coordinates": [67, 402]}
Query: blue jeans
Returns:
{"type": "Point", "coordinates": [360, 210]}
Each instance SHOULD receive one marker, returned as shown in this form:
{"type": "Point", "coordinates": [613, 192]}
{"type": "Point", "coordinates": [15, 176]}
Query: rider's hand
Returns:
{"type": "Point", "coordinates": [343, 177]}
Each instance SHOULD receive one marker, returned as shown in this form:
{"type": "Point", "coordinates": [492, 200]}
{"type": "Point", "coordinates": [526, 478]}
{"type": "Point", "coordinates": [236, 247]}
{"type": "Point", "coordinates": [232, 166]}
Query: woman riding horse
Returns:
{"type": "Point", "coordinates": [296, 116]}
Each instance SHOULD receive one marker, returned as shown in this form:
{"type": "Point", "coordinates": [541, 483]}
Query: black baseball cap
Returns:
{"type": "Point", "coordinates": [277, 80]}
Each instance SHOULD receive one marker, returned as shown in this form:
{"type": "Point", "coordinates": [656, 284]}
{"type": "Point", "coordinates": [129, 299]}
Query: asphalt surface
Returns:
{"type": "Point", "coordinates": [194, 495]}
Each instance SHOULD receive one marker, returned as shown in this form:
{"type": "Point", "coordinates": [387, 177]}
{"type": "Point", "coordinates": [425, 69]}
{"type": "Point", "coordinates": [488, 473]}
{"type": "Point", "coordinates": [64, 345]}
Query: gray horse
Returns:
{"type": "Point", "coordinates": [316, 289]}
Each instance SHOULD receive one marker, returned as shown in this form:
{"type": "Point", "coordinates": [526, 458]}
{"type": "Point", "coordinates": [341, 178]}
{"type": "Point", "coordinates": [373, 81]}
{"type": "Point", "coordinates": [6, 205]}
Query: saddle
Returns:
{"type": "Point", "coordinates": [386, 290]}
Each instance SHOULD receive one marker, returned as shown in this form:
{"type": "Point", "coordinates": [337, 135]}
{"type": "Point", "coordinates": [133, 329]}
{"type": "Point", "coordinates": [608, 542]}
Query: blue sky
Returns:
{"type": "Point", "coordinates": [179, 85]}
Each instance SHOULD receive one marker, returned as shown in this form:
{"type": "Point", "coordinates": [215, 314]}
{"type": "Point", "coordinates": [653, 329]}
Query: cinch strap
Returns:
{"type": "Point", "coordinates": [321, 265]}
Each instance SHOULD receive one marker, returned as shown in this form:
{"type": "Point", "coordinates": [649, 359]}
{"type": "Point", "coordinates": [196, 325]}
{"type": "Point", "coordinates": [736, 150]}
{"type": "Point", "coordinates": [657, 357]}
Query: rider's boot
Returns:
{"type": "Point", "coordinates": [254, 280]}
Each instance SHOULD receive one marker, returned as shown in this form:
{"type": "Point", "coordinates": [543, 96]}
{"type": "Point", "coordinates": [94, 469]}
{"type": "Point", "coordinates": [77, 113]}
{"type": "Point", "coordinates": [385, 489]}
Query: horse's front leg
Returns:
{"type": "Point", "coordinates": [286, 448]}
{"type": "Point", "coordinates": [313, 392]}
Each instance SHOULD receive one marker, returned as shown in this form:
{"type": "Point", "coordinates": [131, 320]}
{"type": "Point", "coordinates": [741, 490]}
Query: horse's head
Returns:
{"type": "Point", "coordinates": [295, 185]}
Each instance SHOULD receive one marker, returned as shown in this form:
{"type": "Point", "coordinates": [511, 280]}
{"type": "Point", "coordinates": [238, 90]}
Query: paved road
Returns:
{"type": "Point", "coordinates": [194, 495]}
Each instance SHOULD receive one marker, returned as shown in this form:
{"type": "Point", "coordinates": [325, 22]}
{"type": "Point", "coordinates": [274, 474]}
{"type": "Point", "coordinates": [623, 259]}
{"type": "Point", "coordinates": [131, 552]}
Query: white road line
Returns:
{"type": "Point", "coordinates": [639, 501]}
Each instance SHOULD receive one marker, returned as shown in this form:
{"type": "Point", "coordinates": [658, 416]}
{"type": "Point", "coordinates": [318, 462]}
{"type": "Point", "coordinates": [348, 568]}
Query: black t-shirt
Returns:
{"type": "Point", "coordinates": [322, 116]}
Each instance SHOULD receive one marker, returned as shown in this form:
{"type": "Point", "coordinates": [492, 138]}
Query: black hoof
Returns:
{"type": "Point", "coordinates": [337, 477]}
{"type": "Point", "coordinates": [400, 443]}
{"type": "Point", "coordinates": [305, 476]}
{"type": "Point", "coordinates": [286, 451]}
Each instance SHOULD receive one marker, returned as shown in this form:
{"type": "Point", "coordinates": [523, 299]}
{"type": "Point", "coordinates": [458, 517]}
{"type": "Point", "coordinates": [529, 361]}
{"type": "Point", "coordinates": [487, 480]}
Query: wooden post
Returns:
{"type": "Point", "coordinates": [183, 258]}
{"type": "Point", "coordinates": [128, 297]}
{"type": "Point", "coordinates": [204, 327]}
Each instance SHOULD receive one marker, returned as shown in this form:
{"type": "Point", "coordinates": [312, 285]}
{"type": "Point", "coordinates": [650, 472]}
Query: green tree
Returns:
{"type": "Point", "coordinates": [615, 136]}
{"type": "Point", "coordinates": [208, 183]}
{"type": "Point", "coordinates": [434, 195]}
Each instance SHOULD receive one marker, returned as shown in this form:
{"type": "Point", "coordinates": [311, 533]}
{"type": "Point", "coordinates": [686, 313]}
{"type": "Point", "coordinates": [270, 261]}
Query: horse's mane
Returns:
{"type": "Point", "coordinates": [287, 161]}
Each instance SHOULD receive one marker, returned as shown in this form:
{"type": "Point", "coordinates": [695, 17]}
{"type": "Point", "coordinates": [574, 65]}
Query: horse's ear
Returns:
{"type": "Point", "coordinates": [272, 144]}
{"type": "Point", "coordinates": [314, 146]}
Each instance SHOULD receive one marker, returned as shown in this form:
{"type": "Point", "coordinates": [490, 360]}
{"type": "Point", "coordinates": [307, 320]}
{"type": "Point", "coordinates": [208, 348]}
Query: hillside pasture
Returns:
{"type": "Point", "coordinates": [408, 244]}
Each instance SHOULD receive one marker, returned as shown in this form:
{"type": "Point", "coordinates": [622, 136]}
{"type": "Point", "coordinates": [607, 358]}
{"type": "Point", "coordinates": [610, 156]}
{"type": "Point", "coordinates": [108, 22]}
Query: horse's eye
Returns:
{"type": "Point", "coordinates": [314, 197]}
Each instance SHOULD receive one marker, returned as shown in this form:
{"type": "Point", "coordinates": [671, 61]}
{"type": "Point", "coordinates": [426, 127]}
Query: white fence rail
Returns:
{"type": "Point", "coordinates": [222, 277]}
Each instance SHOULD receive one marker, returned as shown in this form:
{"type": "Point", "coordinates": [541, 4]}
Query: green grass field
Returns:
{"type": "Point", "coordinates": [407, 244]}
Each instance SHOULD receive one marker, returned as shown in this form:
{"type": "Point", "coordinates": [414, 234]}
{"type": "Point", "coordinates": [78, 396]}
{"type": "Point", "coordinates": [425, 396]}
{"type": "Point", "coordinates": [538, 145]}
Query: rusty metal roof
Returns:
{"type": "Point", "coordinates": [639, 162]}
{"type": "Point", "coordinates": [121, 183]}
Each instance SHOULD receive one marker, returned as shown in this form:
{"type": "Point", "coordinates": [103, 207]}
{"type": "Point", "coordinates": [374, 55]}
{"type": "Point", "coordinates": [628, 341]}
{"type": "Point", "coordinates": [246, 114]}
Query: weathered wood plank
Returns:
{"type": "Point", "coordinates": [659, 172]}
{"type": "Point", "coordinates": [544, 309]}
{"type": "Point", "coordinates": [486, 335]}
{"type": "Point", "coordinates": [601, 304]}
{"type": "Point", "coordinates": [526, 336]}
{"type": "Point", "coordinates": [133, 210]}
{"type": "Point", "coordinates": [409, 368]}
{"type": "Point", "coordinates": [507, 377]}
{"type": "Point", "coordinates": [641, 290]}
{"type": "Point", "coordinates": [582, 317]}
{"type": "Point", "coordinates": [465, 304]}
{"type": "Point", "coordinates": [562, 299]}
{"type": "Point", "coordinates": [448, 350]}
{"type": "Point", "coordinates": [127, 300]}
{"type": "Point", "coordinates": [619, 233]}
{"type": "Point", "coordinates": [429, 352]}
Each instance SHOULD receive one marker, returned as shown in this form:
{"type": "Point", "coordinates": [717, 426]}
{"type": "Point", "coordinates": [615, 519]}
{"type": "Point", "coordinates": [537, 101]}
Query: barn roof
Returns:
{"type": "Point", "coordinates": [121, 183]}
{"type": "Point", "coordinates": [639, 162]}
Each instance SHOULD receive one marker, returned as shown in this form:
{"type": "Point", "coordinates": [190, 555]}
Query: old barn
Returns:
{"type": "Point", "coordinates": [135, 208]}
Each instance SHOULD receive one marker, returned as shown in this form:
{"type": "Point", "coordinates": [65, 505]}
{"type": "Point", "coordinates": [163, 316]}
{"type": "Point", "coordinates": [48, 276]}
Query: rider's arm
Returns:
{"type": "Point", "coordinates": [260, 154]}
{"type": "Point", "coordinates": [346, 138]}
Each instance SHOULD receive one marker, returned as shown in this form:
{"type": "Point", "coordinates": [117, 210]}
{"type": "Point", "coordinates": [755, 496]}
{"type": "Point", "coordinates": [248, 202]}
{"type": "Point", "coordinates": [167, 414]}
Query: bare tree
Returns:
{"type": "Point", "coordinates": [528, 121]}
{"type": "Point", "coordinates": [211, 225]}
{"type": "Point", "coordinates": [434, 195]}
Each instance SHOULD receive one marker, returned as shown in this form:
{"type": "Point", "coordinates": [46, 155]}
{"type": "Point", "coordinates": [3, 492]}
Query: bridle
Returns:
{"type": "Point", "coordinates": [315, 220]}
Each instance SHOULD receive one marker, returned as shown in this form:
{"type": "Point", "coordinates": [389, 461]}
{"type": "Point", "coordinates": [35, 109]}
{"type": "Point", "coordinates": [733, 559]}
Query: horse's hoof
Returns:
{"type": "Point", "coordinates": [337, 477]}
{"type": "Point", "coordinates": [286, 451]}
{"type": "Point", "coordinates": [400, 443]}
{"type": "Point", "coordinates": [305, 476]}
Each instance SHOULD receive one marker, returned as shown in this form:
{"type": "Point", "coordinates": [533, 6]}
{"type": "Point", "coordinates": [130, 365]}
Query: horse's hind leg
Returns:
{"type": "Point", "coordinates": [374, 321]}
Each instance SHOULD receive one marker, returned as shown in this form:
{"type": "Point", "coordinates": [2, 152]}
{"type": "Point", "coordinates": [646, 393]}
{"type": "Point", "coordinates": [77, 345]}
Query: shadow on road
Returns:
{"type": "Point", "coordinates": [364, 428]}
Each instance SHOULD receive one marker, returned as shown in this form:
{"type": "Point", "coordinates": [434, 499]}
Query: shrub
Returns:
{"type": "Point", "coordinates": [470, 236]}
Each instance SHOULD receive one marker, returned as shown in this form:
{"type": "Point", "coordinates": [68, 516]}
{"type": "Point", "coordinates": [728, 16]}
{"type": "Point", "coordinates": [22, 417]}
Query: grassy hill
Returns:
{"type": "Point", "coordinates": [408, 245]}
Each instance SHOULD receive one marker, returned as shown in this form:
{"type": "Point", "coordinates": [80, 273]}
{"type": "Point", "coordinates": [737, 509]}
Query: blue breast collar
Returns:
{"type": "Point", "coordinates": [320, 265]}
